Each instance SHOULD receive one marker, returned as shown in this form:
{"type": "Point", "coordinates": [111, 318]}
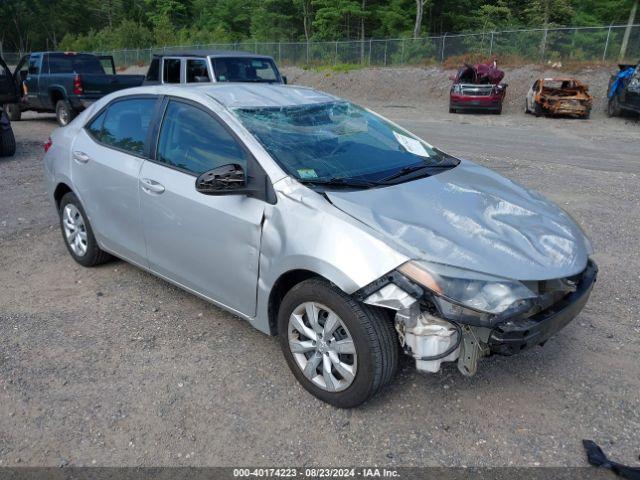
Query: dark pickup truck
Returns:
{"type": "Point", "coordinates": [64, 83]}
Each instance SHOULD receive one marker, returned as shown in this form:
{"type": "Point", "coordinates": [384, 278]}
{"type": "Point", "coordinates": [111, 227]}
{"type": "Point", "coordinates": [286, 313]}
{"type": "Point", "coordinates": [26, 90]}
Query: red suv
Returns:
{"type": "Point", "coordinates": [477, 87]}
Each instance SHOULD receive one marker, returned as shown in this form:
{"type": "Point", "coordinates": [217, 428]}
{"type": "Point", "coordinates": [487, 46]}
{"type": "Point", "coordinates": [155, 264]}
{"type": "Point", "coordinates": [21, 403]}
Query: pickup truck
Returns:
{"type": "Point", "coordinates": [210, 66]}
{"type": "Point", "coordinates": [65, 83]}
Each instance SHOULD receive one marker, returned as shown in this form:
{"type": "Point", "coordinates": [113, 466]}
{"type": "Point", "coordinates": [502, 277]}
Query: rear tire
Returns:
{"type": "Point", "coordinates": [14, 111]}
{"type": "Point", "coordinates": [374, 342]}
{"type": "Point", "coordinates": [7, 142]}
{"type": "Point", "coordinates": [64, 112]}
{"type": "Point", "coordinates": [78, 234]}
{"type": "Point", "coordinates": [452, 110]}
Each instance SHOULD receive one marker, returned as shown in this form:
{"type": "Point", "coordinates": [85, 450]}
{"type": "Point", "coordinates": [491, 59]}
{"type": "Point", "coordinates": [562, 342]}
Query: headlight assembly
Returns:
{"type": "Point", "coordinates": [476, 291]}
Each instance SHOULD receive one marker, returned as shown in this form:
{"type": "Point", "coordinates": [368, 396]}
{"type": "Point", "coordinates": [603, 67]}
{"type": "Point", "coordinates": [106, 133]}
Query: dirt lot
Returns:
{"type": "Point", "coordinates": [111, 366]}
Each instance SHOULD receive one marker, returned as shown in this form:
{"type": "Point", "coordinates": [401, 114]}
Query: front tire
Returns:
{"type": "Point", "coordinates": [537, 110]}
{"type": "Point", "coordinates": [78, 234]}
{"type": "Point", "coordinates": [7, 140]}
{"type": "Point", "coordinates": [340, 350]}
{"type": "Point", "coordinates": [64, 112]}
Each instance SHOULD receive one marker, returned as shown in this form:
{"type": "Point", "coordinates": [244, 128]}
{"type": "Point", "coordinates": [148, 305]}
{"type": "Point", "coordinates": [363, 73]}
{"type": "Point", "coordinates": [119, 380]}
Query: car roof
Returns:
{"type": "Point", "coordinates": [211, 53]}
{"type": "Point", "coordinates": [234, 95]}
{"type": "Point", "coordinates": [247, 95]}
{"type": "Point", "coordinates": [240, 95]}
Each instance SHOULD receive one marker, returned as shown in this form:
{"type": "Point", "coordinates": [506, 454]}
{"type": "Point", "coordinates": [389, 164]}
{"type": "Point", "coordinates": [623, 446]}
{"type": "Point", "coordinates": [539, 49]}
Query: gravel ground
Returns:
{"type": "Point", "coordinates": [111, 366]}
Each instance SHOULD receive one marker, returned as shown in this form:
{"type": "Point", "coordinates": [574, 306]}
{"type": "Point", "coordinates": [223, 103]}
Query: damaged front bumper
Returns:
{"type": "Point", "coordinates": [433, 335]}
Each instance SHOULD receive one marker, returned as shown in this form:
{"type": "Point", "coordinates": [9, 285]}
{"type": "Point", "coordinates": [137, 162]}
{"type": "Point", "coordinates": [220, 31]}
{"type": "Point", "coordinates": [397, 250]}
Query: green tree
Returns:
{"type": "Point", "coordinates": [334, 19]}
{"type": "Point", "coordinates": [276, 20]}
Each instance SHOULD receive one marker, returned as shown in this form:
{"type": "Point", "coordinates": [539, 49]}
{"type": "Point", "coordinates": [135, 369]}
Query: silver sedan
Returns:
{"type": "Point", "coordinates": [321, 222]}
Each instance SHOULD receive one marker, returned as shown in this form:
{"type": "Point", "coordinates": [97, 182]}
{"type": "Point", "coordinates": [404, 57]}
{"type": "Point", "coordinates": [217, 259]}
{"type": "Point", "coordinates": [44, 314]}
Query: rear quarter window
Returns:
{"type": "Point", "coordinates": [124, 125]}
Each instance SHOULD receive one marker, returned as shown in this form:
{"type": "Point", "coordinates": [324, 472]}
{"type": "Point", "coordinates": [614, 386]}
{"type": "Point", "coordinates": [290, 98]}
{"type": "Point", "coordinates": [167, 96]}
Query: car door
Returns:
{"type": "Point", "coordinates": [20, 75]}
{"type": "Point", "coordinates": [106, 159]}
{"type": "Point", "coordinates": [208, 244]}
{"type": "Point", "coordinates": [32, 81]}
{"type": "Point", "coordinates": [8, 85]}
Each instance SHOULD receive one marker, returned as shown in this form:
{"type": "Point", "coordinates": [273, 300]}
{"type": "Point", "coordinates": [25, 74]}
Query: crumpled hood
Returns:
{"type": "Point", "coordinates": [473, 218]}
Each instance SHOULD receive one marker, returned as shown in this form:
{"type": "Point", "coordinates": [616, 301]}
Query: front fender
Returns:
{"type": "Point", "coordinates": [303, 231]}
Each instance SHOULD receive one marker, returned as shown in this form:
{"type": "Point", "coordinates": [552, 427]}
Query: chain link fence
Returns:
{"type": "Point", "coordinates": [538, 45]}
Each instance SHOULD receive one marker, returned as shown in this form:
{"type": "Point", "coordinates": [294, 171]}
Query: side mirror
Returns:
{"type": "Point", "coordinates": [202, 79]}
{"type": "Point", "coordinates": [225, 180]}
{"type": "Point", "coordinates": [284, 79]}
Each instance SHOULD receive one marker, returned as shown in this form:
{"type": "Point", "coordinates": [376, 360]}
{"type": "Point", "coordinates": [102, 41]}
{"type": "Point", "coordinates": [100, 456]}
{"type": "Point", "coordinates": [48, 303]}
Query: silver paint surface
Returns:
{"type": "Point", "coordinates": [232, 250]}
{"type": "Point", "coordinates": [473, 218]}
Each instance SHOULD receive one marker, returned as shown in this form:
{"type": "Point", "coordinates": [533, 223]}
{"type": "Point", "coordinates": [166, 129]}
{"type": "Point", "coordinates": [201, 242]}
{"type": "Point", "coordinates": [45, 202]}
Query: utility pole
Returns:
{"type": "Point", "coordinates": [627, 32]}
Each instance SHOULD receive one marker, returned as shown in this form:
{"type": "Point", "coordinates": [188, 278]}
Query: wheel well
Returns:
{"type": "Point", "coordinates": [61, 190]}
{"type": "Point", "coordinates": [280, 288]}
{"type": "Point", "coordinates": [55, 96]}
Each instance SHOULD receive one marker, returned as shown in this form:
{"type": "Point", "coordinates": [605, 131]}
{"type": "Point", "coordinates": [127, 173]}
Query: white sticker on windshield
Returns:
{"type": "Point", "coordinates": [307, 173]}
{"type": "Point", "coordinates": [411, 145]}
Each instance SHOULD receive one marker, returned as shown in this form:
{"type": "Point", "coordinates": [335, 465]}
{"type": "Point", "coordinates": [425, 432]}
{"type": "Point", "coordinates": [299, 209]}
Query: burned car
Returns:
{"type": "Point", "coordinates": [321, 222]}
{"type": "Point", "coordinates": [624, 90]}
{"type": "Point", "coordinates": [477, 87]}
{"type": "Point", "coordinates": [559, 96]}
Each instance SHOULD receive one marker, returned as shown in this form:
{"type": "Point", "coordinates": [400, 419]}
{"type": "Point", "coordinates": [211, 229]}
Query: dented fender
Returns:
{"type": "Point", "coordinates": [304, 231]}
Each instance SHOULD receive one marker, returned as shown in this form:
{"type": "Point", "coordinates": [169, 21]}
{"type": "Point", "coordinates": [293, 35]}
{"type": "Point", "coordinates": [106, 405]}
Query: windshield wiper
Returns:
{"type": "Point", "coordinates": [339, 182]}
{"type": "Point", "coordinates": [408, 170]}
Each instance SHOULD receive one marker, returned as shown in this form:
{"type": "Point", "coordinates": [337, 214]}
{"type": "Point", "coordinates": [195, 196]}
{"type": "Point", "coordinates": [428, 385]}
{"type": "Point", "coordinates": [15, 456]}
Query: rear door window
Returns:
{"type": "Point", "coordinates": [124, 124]}
{"type": "Point", "coordinates": [197, 70]}
{"type": "Point", "coordinates": [171, 73]}
{"type": "Point", "coordinates": [194, 141]}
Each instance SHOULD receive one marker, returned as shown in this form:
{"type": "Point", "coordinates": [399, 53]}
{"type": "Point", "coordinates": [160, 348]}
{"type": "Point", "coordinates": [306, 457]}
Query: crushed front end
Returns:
{"type": "Point", "coordinates": [488, 316]}
{"type": "Point", "coordinates": [477, 87]}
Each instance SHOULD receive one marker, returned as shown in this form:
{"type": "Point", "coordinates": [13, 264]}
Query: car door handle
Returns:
{"type": "Point", "coordinates": [81, 157]}
{"type": "Point", "coordinates": [151, 186]}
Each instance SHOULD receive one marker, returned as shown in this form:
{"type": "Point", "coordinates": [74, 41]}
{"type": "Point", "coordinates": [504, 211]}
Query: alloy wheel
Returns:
{"type": "Point", "coordinates": [322, 347]}
{"type": "Point", "coordinates": [63, 116]}
{"type": "Point", "coordinates": [75, 230]}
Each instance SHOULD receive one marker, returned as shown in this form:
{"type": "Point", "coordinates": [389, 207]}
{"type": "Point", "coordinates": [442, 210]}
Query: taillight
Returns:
{"type": "Point", "coordinates": [47, 145]}
{"type": "Point", "coordinates": [78, 89]}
